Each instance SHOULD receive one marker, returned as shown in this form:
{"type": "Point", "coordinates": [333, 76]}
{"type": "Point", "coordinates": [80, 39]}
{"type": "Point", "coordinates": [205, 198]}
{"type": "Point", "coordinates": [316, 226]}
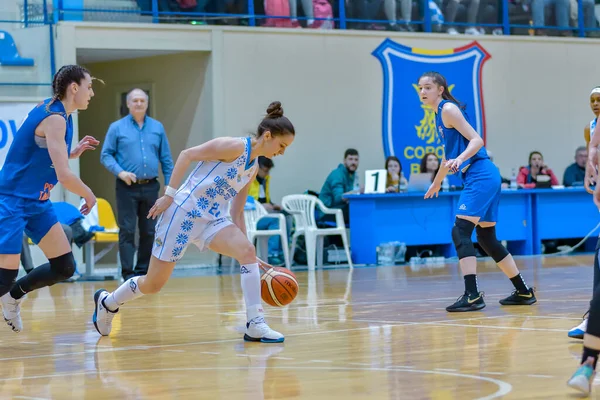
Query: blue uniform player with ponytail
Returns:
{"type": "Point", "coordinates": [478, 204]}
{"type": "Point", "coordinates": [36, 161]}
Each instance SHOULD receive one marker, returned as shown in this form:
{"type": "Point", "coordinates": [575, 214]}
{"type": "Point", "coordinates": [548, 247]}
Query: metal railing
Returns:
{"type": "Point", "coordinates": [43, 12]}
{"type": "Point", "coordinates": [34, 15]}
{"type": "Point", "coordinates": [344, 19]}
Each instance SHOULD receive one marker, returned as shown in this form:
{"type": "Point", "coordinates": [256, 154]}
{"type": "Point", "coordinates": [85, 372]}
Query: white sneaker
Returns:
{"type": "Point", "coordinates": [578, 331]}
{"type": "Point", "coordinates": [11, 309]}
{"type": "Point", "coordinates": [257, 330]}
{"type": "Point", "coordinates": [102, 317]}
{"type": "Point", "coordinates": [472, 31]}
{"type": "Point", "coordinates": [452, 31]}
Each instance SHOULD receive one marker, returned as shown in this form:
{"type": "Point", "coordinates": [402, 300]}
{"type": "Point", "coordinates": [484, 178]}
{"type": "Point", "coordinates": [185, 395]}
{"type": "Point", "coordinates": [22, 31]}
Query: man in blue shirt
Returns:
{"type": "Point", "coordinates": [575, 173]}
{"type": "Point", "coordinates": [133, 148]}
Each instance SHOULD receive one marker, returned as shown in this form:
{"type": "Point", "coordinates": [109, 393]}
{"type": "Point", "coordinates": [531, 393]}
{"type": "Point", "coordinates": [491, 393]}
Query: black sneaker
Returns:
{"type": "Point", "coordinates": [519, 299]}
{"type": "Point", "coordinates": [467, 302]}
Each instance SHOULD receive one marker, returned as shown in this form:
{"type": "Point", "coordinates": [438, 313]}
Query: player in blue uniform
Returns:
{"type": "Point", "coordinates": [36, 160]}
{"type": "Point", "coordinates": [478, 204]}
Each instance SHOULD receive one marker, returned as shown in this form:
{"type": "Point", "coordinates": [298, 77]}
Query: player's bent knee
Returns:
{"type": "Point", "coordinates": [461, 236]}
{"type": "Point", "coordinates": [63, 266]}
{"type": "Point", "coordinates": [246, 254]}
{"type": "Point", "coordinates": [488, 241]}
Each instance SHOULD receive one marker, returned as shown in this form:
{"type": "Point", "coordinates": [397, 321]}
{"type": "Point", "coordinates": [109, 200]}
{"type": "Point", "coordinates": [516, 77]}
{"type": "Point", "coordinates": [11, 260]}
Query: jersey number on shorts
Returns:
{"type": "Point", "coordinates": [214, 210]}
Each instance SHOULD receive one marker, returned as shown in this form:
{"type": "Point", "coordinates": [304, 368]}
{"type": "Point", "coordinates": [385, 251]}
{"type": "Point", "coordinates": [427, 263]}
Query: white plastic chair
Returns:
{"type": "Point", "coordinates": [302, 207]}
{"type": "Point", "coordinates": [251, 217]}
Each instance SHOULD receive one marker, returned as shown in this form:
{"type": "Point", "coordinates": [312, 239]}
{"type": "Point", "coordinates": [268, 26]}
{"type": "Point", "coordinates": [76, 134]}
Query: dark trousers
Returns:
{"type": "Point", "coordinates": [133, 204]}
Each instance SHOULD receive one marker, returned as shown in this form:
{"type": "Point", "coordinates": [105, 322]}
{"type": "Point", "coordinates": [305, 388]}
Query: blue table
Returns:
{"type": "Point", "coordinates": [563, 214]}
{"type": "Point", "coordinates": [527, 216]}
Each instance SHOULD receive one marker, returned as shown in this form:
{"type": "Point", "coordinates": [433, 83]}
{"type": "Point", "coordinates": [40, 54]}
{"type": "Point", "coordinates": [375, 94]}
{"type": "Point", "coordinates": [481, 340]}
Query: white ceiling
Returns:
{"type": "Point", "coordinates": [86, 56]}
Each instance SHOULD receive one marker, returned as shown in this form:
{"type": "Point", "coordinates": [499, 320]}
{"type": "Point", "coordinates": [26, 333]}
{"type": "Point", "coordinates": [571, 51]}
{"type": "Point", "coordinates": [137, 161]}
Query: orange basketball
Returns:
{"type": "Point", "coordinates": [278, 286]}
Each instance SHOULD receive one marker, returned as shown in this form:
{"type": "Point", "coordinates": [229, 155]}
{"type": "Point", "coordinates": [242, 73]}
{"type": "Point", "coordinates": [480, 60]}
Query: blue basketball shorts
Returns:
{"type": "Point", "coordinates": [18, 215]}
{"type": "Point", "coordinates": [481, 194]}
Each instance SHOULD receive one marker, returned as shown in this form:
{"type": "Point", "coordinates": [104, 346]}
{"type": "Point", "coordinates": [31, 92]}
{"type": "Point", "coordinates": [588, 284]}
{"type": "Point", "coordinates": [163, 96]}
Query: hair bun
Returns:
{"type": "Point", "coordinates": [274, 110]}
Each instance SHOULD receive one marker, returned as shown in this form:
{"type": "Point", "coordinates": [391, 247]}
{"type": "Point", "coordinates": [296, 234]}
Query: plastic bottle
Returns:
{"type": "Point", "coordinates": [513, 179]}
{"type": "Point", "coordinates": [445, 185]}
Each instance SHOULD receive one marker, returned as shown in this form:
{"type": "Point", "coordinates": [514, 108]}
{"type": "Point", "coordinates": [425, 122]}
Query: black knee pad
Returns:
{"type": "Point", "coordinates": [461, 236]}
{"type": "Point", "coordinates": [486, 237]}
{"type": "Point", "coordinates": [63, 266]}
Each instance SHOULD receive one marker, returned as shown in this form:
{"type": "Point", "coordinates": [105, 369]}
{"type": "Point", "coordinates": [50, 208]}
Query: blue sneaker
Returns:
{"type": "Point", "coordinates": [578, 331]}
{"type": "Point", "coordinates": [582, 378]}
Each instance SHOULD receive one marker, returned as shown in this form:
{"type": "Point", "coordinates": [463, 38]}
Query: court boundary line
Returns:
{"type": "Point", "coordinates": [504, 388]}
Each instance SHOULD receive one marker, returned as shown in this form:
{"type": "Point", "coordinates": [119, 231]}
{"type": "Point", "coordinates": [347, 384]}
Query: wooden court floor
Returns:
{"type": "Point", "coordinates": [370, 333]}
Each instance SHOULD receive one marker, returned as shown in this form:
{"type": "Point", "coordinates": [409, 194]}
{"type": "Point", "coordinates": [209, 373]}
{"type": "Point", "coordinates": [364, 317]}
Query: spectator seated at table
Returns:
{"type": "Point", "coordinates": [536, 173]}
{"type": "Point", "coordinates": [575, 173]}
{"type": "Point", "coordinates": [342, 180]}
{"type": "Point", "coordinates": [395, 180]}
{"type": "Point", "coordinates": [430, 163]}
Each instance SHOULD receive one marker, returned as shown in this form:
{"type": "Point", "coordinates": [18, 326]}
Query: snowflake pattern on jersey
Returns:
{"type": "Point", "coordinates": [211, 192]}
{"type": "Point", "coordinates": [181, 239]}
{"type": "Point", "coordinates": [187, 225]}
{"type": "Point", "coordinates": [221, 189]}
{"type": "Point", "coordinates": [202, 203]}
{"type": "Point", "coordinates": [231, 173]}
{"type": "Point", "coordinates": [241, 160]}
{"type": "Point", "coordinates": [176, 253]}
{"type": "Point", "coordinates": [194, 214]}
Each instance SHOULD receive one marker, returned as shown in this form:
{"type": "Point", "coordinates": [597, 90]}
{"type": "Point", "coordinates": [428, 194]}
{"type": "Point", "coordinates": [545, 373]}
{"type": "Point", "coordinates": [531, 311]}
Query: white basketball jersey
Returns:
{"type": "Point", "coordinates": [592, 127]}
{"type": "Point", "coordinates": [209, 188]}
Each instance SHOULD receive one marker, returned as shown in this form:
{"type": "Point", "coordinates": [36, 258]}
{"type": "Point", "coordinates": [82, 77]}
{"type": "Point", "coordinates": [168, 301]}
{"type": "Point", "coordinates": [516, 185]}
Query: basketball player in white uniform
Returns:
{"type": "Point", "coordinates": [198, 213]}
{"type": "Point", "coordinates": [578, 331]}
{"type": "Point", "coordinates": [583, 378]}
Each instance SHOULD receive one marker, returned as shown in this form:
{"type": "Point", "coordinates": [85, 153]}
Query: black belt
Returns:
{"type": "Point", "coordinates": [144, 181]}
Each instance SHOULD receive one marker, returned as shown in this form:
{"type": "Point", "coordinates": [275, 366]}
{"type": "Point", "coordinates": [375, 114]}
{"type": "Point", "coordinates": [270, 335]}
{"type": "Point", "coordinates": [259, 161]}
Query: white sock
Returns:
{"type": "Point", "coordinates": [250, 276]}
{"type": "Point", "coordinates": [128, 291]}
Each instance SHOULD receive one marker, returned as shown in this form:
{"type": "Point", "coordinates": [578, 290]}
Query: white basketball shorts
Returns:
{"type": "Point", "coordinates": [177, 228]}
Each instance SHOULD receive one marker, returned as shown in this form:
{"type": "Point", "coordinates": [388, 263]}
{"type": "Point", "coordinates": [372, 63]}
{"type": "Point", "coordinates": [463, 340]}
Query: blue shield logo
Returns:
{"type": "Point", "coordinates": [409, 130]}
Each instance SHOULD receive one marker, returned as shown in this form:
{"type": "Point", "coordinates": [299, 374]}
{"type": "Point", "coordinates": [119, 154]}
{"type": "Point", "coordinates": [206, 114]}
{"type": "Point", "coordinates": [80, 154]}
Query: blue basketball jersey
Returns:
{"type": "Point", "coordinates": [454, 142]}
{"type": "Point", "coordinates": [28, 171]}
